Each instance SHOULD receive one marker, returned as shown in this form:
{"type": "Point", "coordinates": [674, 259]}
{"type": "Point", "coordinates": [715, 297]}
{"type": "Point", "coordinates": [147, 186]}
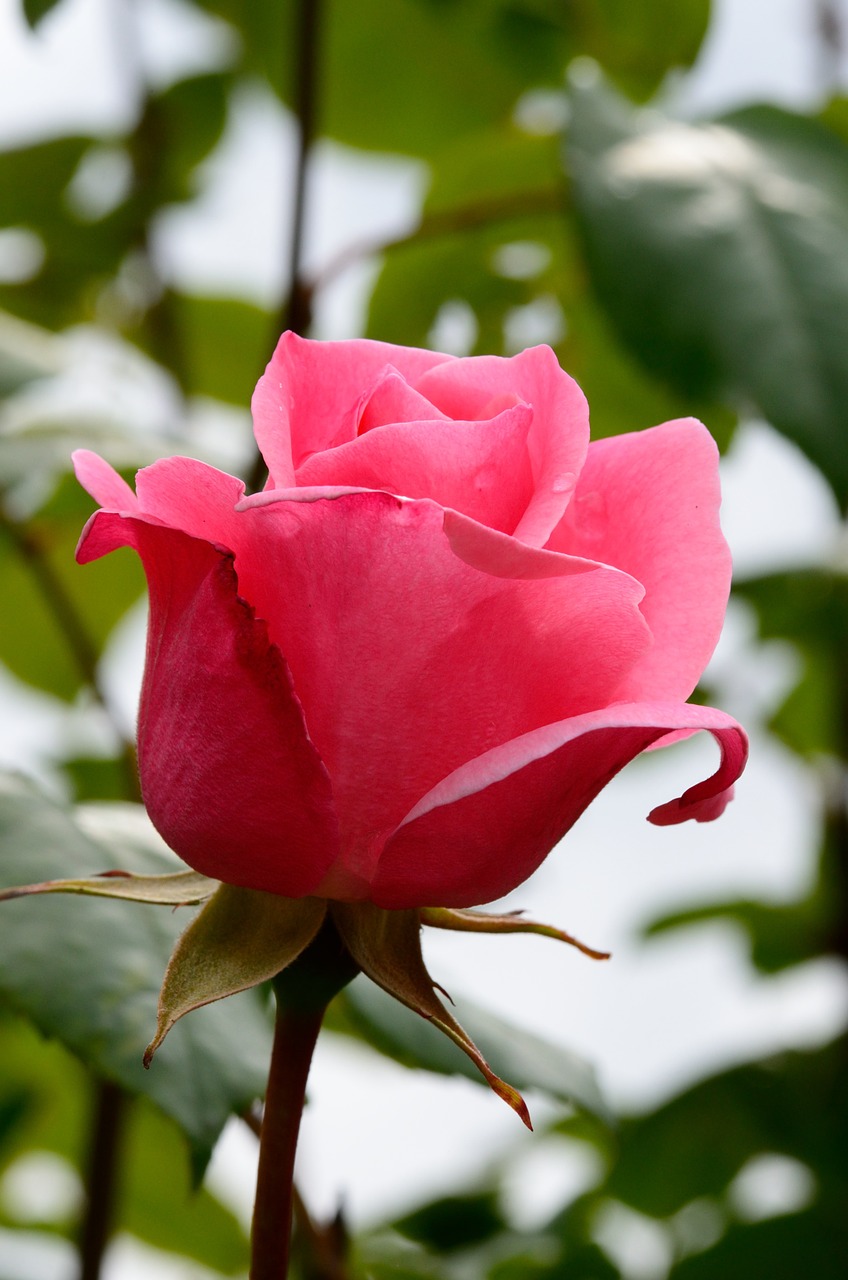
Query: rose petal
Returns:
{"type": "Point", "coordinates": [648, 503]}
{"type": "Point", "coordinates": [484, 829]}
{"type": "Point", "coordinates": [410, 662]}
{"type": "Point", "coordinates": [102, 481]}
{"type": "Point", "coordinates": [558, 437]}
{"type": "Point", "coordinates": [311, 395]}
{"type": "Point", "coordinates": [392, 399]}
{"type": "Point", "coordinates": [229, 775]}
{"type": "Point", "coordinates": [478, 468]}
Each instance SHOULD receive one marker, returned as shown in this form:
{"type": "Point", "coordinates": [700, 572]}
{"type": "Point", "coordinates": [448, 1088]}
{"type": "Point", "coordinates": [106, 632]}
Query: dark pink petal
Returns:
{"type": "Point", "coordinates": [229, 775]}
{"type": "Point", "coordinates": [102, 481]}
{"type": "Point", "coordinates": [482, 831]}
{"type": "Point", "coordinates": [648, 503]}
{"type": "Point", "coordinates": [312, 394]}
{"type": "Point", "coordinates": [479, 468]}
{"type": "Point", "coordinates": [480, 386]}
{"type": "Point", "coordinates": [409, 661]}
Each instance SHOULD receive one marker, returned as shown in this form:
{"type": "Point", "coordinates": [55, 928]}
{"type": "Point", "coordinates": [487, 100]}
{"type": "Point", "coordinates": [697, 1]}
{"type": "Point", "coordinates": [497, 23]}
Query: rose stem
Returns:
{"type": "Point", "coordinates": [295, 1035]}
{"type": "Point", "coordinates": [302, 992]}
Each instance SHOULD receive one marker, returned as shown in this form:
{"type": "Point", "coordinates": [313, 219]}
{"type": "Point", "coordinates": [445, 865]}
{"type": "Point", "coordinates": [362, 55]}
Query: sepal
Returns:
{"type": "Point", "coordinates": [386, 945]}
{"type": "Point", "coordinates": [240, 938]}
{"type": "Point", "coordinates": [468, 921]}
{"type": "Point", "coordinates": [177, 889]}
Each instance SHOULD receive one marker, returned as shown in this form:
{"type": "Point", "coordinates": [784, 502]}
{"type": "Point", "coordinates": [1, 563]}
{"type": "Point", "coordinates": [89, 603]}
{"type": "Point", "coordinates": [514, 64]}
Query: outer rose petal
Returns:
{"type": "Point", "coordinates": [408, 660]}
{"type": "Point", "coordinates": [229, 775]}
{"type": "Point", "coordinates": [648, 503]}
{"type": "Point", "coordinates": [559, 434]}
{"type": "Point", "coordinates": [310, 395]}
{"type": "Point", "coordinates": [102, 481]}
{"type": "Point", "coordinates": [485, 829]}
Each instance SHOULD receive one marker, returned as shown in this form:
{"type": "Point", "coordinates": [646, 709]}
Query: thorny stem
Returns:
{"type": "Point", "coordinates": [323, 1247]}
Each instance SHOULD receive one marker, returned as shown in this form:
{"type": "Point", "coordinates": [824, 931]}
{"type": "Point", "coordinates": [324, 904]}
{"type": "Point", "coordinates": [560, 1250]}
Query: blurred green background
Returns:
{"type": "Point", "coordinates": [478, 176]}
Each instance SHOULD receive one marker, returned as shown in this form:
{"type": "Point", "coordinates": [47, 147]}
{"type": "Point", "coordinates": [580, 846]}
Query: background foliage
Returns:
{"type": "Point", "coordinates": [677, 266]}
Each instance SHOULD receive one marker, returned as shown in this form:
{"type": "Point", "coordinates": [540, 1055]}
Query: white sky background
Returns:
{"type": "Point", "coordinates": [657, 1016]}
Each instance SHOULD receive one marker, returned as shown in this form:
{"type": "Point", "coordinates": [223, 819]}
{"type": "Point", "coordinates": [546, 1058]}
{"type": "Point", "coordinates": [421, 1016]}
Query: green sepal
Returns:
{"type": "Point", "coordinates": [177, 889]}
{"type": "Point", "coordinates": [386, 945]}
{"type": "Point", "coordinates": [465, 921]}
{"type": "Point", "coordinates": [240, 938]}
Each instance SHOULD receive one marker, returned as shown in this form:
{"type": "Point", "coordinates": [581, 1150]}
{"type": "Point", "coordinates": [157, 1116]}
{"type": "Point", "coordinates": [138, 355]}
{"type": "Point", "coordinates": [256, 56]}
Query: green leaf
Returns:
{"type": "Point", "coordinates": [36, 10]}
{"type": "Point", "coordinates": [89, 972]}
{"type": "Point", "coordinates": [174, 889]}
{"type": "Point", "coordinates": [465, 921]}
{"type": "Point", "coordinates": [386, 945]}
{"type": "Point", "coordinates": [720, 251]}
{"type": "Point", "coordinates": [240, 938]}
{"type": "Point", "coordinates": [519, 1055]}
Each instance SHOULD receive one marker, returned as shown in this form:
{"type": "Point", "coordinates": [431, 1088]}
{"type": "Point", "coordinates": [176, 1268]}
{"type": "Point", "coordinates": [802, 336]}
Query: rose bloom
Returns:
{"type": "Point", "coordinates": [403, 671]}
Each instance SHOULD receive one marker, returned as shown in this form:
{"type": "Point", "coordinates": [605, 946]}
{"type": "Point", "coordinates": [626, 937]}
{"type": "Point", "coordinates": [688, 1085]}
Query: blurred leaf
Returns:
{"type": "Point", "coordinates": [226, 346]}
{"type": "Point", "coordinates": [35, 10]}
{"type": "Point", "coordinates": [160, 1203]}
{"type": "Point", "coordinates": [498, 237]}
{"type": "Point", "coordinates": [721, 253]}
{"type": "Point", "coordinates": [36, 564]}
{"type": "Point", "coordinates": [780, 936]}
{"type": "Point", "coordinates": [794, 1105]}
{"type": "Point", "coordinates": [785, 1248]}
{"type": "Point", "coordinates": [156, 1198]}
{"type": "Point", "coordinates": [26, 353]}
{"type": "Point", "coordinates": [454, 1222]}
{"type": "Point", "coordinates": [438, 69]}
{"type": "Point", "coordinates": [525, 1059]}
{"type": "Point", "coordinates": [809, 608]}
{"type": "Point", "coordinates": [89, 972]}
{"type": "Point", "coordinates": [96, 777]}
{"type": "Point", "coordinates": [181, 126]}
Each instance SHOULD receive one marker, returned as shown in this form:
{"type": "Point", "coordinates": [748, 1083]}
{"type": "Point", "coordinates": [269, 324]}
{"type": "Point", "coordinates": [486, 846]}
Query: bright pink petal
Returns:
{"type": "Point", "coordinates": [229, 775]}
{"type": "Point", "coordinates": [102, 481]}
{"type": "Point", "coordinates": [312, 394]}
{"type": "Point", "coordinates": [192, 496]}
{"type": "Point", "coordinates": [483, 830]}
{"type": "Point", "coordinates": [558, 437]}
{"type": "Point", "coordinates": [648, 503]}
{"type": "Point", "coordinates": [410, 662]}
{"type": "Point", "coordinates": [478, 468]}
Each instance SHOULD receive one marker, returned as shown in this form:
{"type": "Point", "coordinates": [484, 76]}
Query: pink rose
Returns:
{"type": "Point", "coordinates": [404, 670]}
